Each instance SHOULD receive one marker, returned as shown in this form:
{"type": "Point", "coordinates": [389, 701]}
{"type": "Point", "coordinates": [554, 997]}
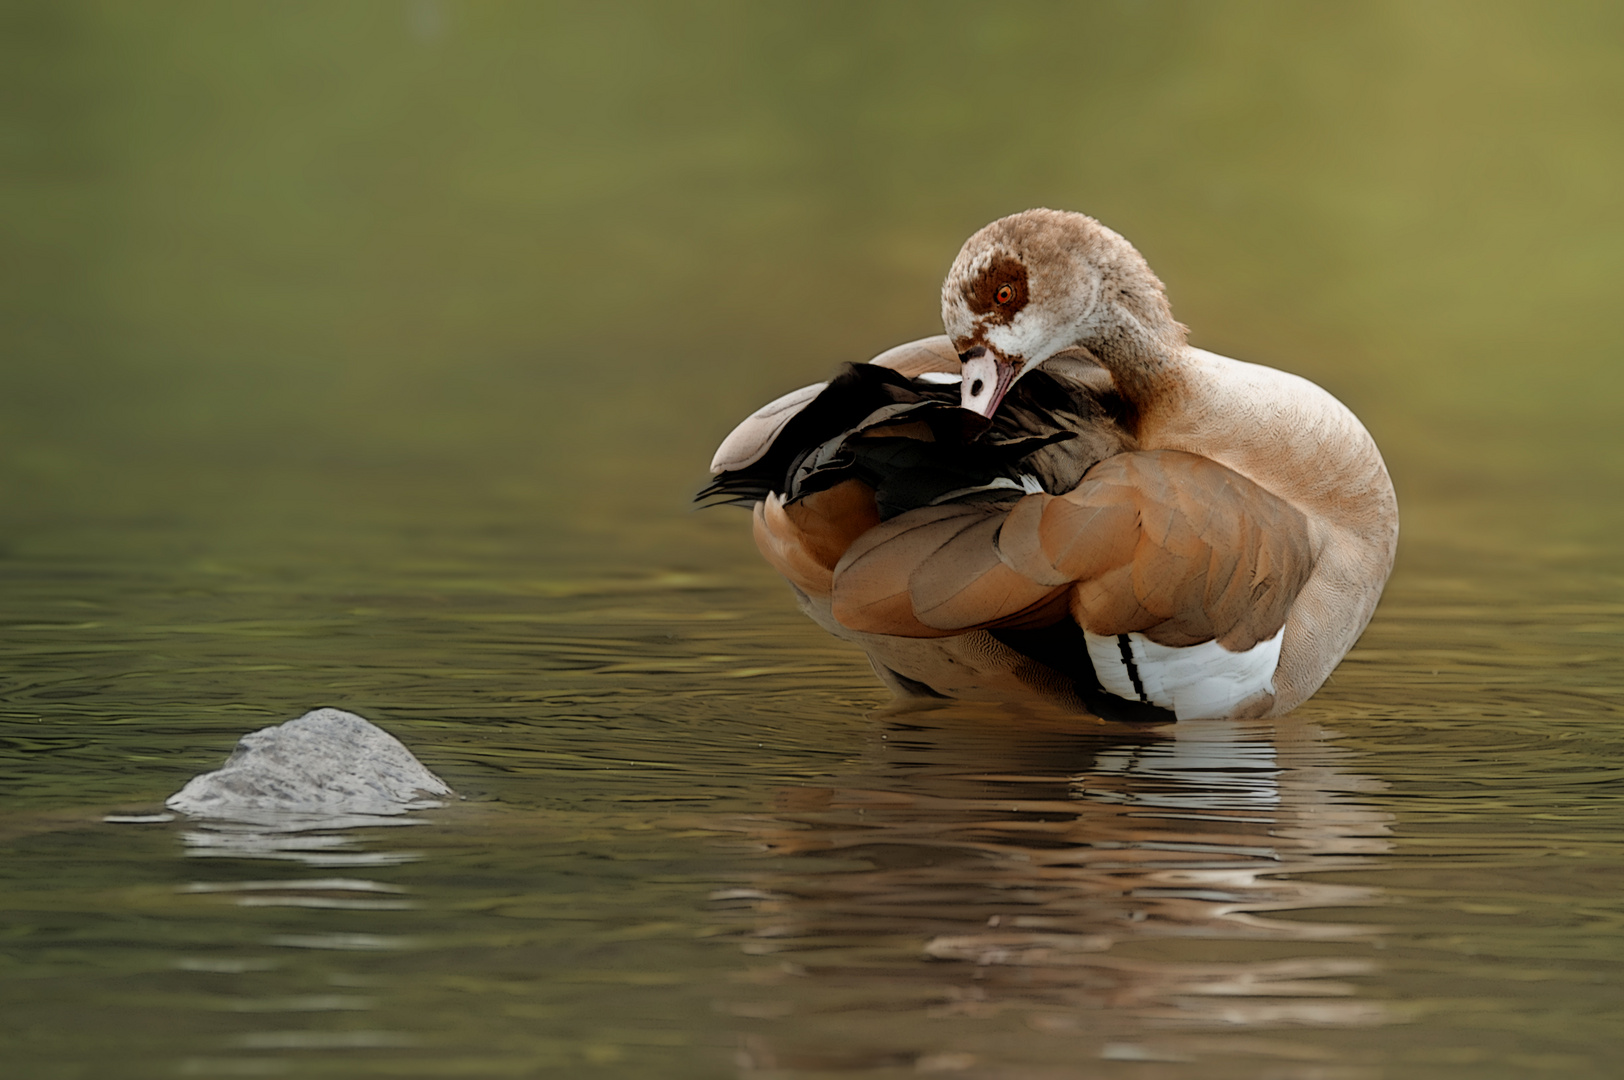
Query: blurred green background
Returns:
{"type": "Point", "coordinates": [352, 279]}
{"type": "Point", "coordinates": [369, 354]}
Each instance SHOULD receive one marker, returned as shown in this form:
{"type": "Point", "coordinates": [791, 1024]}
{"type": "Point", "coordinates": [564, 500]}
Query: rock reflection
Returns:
{"type": "Point", "coordinates": [316, 841]}
{"type": "Point", "coordinates": [1111, 883]}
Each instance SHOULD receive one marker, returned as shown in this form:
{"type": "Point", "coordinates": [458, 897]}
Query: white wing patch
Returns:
{"type": "Point", "coordinates": [1197, 682]}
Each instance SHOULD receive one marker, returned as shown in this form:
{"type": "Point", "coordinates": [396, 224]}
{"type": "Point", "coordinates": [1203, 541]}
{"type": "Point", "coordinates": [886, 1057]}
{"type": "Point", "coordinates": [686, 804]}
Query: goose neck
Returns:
{"type": "Point", "coordinates": [1144, 360]}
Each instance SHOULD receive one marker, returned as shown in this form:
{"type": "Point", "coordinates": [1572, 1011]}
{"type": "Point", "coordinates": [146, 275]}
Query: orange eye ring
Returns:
{"type": "Point", "coordinates": [1005, 294]}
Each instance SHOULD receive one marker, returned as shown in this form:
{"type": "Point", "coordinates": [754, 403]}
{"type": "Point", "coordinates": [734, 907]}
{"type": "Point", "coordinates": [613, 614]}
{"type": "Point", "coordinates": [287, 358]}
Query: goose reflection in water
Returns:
{"type": "Point", "coordinates": [1130, 892]}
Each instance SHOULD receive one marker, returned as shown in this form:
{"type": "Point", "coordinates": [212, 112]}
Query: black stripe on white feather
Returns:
{"type": "Point", "coordinates": [1125, 647]}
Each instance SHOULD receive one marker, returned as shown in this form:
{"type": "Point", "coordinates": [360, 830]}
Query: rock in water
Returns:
{"type": "Point", "coordinates": [327, 763]}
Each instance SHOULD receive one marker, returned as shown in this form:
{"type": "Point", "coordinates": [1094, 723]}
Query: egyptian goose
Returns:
{"type": "Point", "coordinates": [1062, 498]}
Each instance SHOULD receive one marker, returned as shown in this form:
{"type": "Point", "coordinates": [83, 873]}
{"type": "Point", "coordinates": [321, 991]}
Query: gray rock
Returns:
{"type": "Point", "coordinates": [327, 763]}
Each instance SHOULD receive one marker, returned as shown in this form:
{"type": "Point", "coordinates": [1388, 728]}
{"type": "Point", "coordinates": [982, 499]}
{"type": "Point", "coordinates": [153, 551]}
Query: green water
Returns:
{"type": "Point", "coordinates": [367, 355]}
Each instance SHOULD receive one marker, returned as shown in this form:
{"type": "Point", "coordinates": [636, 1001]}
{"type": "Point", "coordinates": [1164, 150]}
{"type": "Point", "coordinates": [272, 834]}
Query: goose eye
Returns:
{"type": "Point", "coordinates": [1006, 293]}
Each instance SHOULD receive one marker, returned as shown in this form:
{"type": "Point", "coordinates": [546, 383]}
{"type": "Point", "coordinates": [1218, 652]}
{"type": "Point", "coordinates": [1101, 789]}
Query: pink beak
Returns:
{"type": "Point", "coordinates": [987, 378]}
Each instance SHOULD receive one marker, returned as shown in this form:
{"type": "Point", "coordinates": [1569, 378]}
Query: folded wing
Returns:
{"type": "Point", "coordinates": [1161, 543]}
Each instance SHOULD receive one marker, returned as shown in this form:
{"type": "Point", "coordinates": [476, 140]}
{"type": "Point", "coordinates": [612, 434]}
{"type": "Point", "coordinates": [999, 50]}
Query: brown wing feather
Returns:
{"type": "Point", "coordinates": [936, 571]}
{"type": "Point", "coordinates": [1212, 554]}
{"type": "Point", "coordinates": [1164, 543]}
{"type": "Point", "coordinates": [966, 585]}
{"type": "Point", "coordinates": [871, 584]}
{"type": "Point", "coordinates": [805, 539]}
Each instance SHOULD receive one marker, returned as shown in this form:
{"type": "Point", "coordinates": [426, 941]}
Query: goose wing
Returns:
{"type": "Point", "coordinates": [1162, 543]}
{"type": "Point", "coordinates": [749, 442]}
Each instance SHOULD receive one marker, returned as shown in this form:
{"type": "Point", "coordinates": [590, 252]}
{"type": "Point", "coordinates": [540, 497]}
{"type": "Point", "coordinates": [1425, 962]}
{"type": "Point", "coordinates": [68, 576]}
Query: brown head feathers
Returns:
{"type": "Point", "coordinates": [1073, 284]}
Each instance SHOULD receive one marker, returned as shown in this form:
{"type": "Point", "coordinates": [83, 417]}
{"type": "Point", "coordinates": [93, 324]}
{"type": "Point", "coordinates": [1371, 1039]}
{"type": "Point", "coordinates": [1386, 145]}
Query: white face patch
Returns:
{"type": "Point", "coordinates": [1007, 339]}
{"type": "Point", "coordinates": [940, 378]}
{"type": "Point", "coordinates": [1028, 340]}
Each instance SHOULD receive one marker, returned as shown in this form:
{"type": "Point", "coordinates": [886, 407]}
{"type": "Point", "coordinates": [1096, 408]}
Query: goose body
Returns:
{"type": "Point", "coordinates": [1062, 498]}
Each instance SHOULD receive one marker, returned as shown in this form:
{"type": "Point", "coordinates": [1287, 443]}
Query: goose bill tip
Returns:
{"type": "Point", "coordinates": [987, 378]}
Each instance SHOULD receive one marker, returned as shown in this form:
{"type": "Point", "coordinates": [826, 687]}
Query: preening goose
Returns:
{"type": "Point", "coordinates": [1062, 498]}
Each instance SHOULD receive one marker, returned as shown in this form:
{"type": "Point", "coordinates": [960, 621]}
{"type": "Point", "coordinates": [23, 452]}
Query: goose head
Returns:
{"type": "Point", "coordinates": [1043, 283]}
